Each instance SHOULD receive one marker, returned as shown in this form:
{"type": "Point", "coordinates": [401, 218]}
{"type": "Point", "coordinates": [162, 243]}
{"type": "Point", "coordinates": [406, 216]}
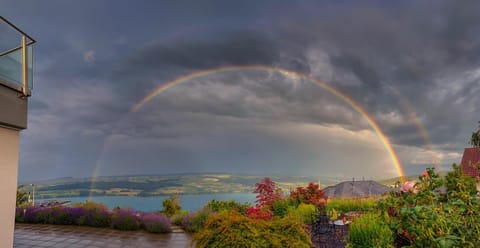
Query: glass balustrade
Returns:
{"type": "Point", "coordinates": [11, 67]}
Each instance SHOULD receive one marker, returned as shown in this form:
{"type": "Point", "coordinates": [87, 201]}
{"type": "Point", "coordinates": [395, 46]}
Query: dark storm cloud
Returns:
{"type": "Point", "coordinates": [227, 49]}
{"type": "Point", "coordinates": [93, 64]}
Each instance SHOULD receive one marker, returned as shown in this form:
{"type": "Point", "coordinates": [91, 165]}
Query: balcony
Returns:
{"type": "Point", "coordinates": [16, 75]}
{"type": "Point", "coordinates": [16, 58]}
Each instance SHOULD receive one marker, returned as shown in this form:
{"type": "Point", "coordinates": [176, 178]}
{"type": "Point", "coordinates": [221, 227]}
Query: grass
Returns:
{"type": "Point", "coordinates": [342, 206]}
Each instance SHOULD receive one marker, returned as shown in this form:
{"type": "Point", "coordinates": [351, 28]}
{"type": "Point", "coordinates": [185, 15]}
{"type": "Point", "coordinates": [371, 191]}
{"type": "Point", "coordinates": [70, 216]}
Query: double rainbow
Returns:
{"type": "Point", "coordinates": [383, 138]}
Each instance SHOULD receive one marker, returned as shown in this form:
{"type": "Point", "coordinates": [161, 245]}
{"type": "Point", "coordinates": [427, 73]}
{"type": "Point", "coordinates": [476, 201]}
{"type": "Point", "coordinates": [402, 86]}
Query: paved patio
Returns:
{"type": "Point", "coordinates": [56, 236]}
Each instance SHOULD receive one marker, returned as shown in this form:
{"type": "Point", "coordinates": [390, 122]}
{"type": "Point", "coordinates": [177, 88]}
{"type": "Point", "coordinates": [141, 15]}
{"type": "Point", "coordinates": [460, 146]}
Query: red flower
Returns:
{"type": "Point", "coordinates": [425, 174]}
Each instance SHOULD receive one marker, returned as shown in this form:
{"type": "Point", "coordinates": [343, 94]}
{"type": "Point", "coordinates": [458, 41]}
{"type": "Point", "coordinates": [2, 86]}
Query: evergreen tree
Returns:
{"type": "Point", "coordinates": [475, 139]}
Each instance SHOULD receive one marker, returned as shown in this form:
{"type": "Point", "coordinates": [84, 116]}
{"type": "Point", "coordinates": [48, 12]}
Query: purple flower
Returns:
{"type": "Point", "coordinates": [126, 219]}
{"type": "Point", "coordinates": [156, 223]}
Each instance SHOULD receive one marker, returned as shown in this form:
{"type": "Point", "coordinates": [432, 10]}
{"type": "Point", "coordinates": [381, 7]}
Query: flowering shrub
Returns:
{"type": "Point", "coordinates": [187, 222]}
{"type": "Point", "coordinates": [409, 186]}
{"type": "Point", "coordinates": [93, 214]}
{"type": "Point", "coordinates": [66, 216]}
{"type": "Point", "coordinates": [126, 219]}
{"type": "Point", "coordinates": [431, 218]}
{"type": "Point", "coordinates": [36, 215]}
{"type": "Point", "coordinates": [156, 223]}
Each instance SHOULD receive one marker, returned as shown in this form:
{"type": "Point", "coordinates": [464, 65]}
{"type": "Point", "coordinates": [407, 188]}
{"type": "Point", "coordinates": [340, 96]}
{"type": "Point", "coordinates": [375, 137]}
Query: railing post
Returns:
{"type": "Point", "coordinates": [24, 66]}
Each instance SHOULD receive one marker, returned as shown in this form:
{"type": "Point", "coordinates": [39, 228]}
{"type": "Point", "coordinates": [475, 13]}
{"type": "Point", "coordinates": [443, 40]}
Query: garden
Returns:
{"type": "Point", "coordinates": [433, 212]}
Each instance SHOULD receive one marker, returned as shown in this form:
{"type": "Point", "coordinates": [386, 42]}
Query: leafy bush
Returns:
{"type": "Point", "coordinates": [177, 218]}
{"type": "Point", "coordinates": [235, 230]}
{"type": "Point", "coordinates": [312, 194]}
{"type": "Point", "coordinates": [126, 219]}
{"type": "Point", "coordinates": [259, 213]}
{"type": "Point", "coordinates": [20, 214]}
{"type": "Point", "coordinates": [156, 223]}
{"type": "Point", "coordinates": [287, 232]}
{"type": "Point", "coordinates": [22, 197]}
{"type": "Point", "coordinates": [433, 219]}
{"type": "Point", "coordinates": [304, 212]}
{"type": "Point", "coordinates": [227, 206]}
{"type": "Point", "coordinates": [369, 231]}
{"type": "Point", "coordinates": [280, 208]}
{"type": "Point", "coordinates": [171, 205]}
{"type": "Point", "coordinates": [193, 222]}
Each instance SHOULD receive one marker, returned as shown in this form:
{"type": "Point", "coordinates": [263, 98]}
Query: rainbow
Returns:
{"type": "Point", "coordinates": [412, 115]}
{"type": "Point", "coordinates": [383, 138]}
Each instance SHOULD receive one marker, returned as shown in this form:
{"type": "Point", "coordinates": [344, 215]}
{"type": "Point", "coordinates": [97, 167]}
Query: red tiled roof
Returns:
{"type": "Point", "coordinates": [471, 162]}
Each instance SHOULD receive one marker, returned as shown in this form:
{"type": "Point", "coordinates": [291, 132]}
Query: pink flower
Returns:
{"type": "Point", "coordinates": [409, 186]}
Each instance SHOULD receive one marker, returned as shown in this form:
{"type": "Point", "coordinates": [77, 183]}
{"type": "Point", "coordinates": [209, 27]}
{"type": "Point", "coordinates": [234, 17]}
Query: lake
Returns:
{"type": "Point", "coordinates": [188, 202]}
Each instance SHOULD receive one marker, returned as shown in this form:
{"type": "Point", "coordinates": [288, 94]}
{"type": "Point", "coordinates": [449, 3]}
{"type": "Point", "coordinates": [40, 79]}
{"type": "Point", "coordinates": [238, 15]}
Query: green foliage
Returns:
{"type": "Point", "coordinates": [304, 212]}
{"type": "Point", "coordinates": [475, 138]}
{"type": "Point", "coordinates": [178, 217]}
{"type": "Point", "coordinates": [227, 206]}
{"type": "Point", "coordinates": [431, 219]}
{"type": "Point", "coordinates": [21, 196]}
{"type": "Point", "coordinates": [196, 221]}
{"type": "Point", "coordinates": [171, 205]}
{"type": "Point", "coordinates": [369, 231]}
{"type": "Point", "coordinates": [333, 214]}
{"type": "Point", "coordinates": [280, 208]}
{"type": "Point", "coordinates": [342, 206]}
{"type": "Point", "coordinates": [235, 230]}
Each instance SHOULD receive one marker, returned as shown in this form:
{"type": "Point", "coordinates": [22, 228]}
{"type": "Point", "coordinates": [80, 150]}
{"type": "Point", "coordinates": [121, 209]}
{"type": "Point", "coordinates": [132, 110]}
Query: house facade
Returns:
{"type": "Point", "coordinates": [471, 162]}
{"type": "Point", "coordinates": [15, 87]}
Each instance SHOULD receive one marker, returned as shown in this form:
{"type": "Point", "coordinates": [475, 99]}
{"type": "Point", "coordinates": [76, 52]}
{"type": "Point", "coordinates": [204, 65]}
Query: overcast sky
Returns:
{"type": "Point", "coordinates": [407, 63]}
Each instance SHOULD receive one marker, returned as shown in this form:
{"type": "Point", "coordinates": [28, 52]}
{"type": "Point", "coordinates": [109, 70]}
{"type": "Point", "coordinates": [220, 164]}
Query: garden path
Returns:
{"type": "Point", "coordinates": [57, 236]}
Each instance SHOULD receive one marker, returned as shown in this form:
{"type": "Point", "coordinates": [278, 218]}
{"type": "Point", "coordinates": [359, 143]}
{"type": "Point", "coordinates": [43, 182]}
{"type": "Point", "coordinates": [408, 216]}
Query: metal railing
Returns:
{"type": "Point", "coordinates": [16, 64]}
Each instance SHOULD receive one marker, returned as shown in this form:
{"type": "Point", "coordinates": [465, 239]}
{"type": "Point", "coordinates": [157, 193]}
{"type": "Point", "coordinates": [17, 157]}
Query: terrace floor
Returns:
{"type": "Point", "coordinates": [56, 236]}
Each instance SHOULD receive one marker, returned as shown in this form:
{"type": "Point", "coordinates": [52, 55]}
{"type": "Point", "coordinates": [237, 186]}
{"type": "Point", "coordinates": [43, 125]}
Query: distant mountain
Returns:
{"type": "Point", "coordinates": [148, 185]}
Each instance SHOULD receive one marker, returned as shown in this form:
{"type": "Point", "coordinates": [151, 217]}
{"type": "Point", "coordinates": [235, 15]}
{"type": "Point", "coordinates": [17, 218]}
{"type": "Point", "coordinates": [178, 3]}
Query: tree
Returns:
{"type": "Point", "coordinates": [21, 196]}
{"type": "Point", "coordinates": [312, 194]}
{"type": "Point", "coordinates": [171, 205]}
{"type": "Point", "coordinates": [267, 192]}
{"type": "Point", "coordinates": [475, 139]}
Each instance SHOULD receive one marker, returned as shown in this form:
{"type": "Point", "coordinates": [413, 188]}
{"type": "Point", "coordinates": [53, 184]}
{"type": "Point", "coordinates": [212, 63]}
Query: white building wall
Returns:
{"type": "Point", "coordinates": [9, 140]}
